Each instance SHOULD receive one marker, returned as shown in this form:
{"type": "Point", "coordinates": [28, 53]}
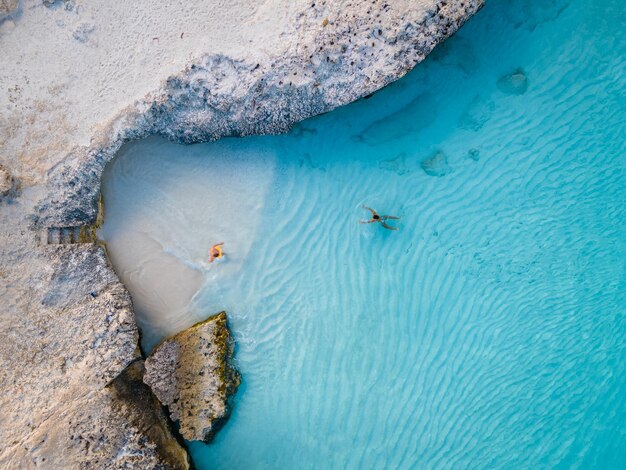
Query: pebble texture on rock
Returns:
{"type": "Point", "coordinates": [191, 373]}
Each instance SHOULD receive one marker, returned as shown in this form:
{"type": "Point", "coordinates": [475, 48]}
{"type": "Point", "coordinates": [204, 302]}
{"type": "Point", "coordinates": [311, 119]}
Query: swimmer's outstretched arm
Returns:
{"type": "Point", "coordinates": [392, 217]}
{"type": "Point", "coordinates": [373, 215]}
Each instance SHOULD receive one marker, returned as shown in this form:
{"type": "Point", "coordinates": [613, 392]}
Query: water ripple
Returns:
{"type": "Point", "coordinates": [487, 332]}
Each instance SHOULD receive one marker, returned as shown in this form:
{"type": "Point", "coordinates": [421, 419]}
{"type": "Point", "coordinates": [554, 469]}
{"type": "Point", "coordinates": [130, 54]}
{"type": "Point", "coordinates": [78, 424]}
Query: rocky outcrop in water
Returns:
{"type": "Point", "coordinates": [191, 373]}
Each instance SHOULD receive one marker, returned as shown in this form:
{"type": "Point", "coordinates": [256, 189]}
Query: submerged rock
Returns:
{"type": "Point", "coordinates": [418, 115]}
{"type": "Point", "coordinates": [514, 83]}
{"type": "Point", "coordinates": [474, 154]}
{"type": "Point", "coordinates": [191, 374]}
{"type": "Point", "coordinates": [476, 113]}
{"type": "Point", "coordinates": [397, 165]}
{"type": "Point", "coordinates": [436, 165]}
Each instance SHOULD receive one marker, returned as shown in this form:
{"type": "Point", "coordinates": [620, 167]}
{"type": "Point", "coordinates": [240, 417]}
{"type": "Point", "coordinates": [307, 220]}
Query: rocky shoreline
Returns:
{"type": "Point", "coordinates": [355, 54]}
{"type": "Point", "coordinates": [71, 351]}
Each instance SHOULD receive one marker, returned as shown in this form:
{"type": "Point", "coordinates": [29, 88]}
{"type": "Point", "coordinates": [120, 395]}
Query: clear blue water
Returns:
{"type": "Point", "coordinates": [489, 330]}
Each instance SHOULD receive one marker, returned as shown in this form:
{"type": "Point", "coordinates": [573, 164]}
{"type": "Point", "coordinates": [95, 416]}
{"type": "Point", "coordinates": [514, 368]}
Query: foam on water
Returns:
{"type": "Point", "coordinates": [488, 332]}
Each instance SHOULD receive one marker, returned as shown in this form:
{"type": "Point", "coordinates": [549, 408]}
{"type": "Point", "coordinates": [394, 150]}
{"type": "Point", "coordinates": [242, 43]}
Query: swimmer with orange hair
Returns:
{"type": "Point", "coordinates": [216, 252]}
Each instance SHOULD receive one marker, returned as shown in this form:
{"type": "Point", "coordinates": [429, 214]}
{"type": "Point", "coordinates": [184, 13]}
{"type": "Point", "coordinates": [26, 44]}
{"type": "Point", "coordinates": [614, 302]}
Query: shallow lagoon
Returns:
{"type": "Point", "coordinates": [487, 332]}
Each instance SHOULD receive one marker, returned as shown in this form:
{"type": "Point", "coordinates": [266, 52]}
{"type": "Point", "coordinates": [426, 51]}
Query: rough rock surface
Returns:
{"type": "Point", "coordinates": [81, 78]}
{"type": "Point", "coordinates": [6, 182]}
{"type": "Point", "coordinates": [7, 7]}
{"type": "Point", "coordinates": [191, 373]}
{"type": "Point", "coordinates": [119, 426]}
{"type": "Point", "coordinates": [135, 402]}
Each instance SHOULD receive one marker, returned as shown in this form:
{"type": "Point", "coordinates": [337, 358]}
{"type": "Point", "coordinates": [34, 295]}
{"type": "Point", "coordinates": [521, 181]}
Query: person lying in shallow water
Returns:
{"type": "Point", "coordinates": [216, 252]}
{"type": "Point", "coordinates": [382, 219]}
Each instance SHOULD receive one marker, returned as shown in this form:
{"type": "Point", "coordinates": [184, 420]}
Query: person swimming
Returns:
{"type": "Point", "coordinates": [382, 219]}
{"type": "Point", "coordinates": [216, 252]}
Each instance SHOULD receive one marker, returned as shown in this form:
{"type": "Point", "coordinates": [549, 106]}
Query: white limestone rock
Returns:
{"type": "Point", "coordinates": [362, 48]}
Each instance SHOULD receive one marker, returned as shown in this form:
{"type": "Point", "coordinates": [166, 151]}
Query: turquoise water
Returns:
{"type": "Point", "coordinates": [487, 332]}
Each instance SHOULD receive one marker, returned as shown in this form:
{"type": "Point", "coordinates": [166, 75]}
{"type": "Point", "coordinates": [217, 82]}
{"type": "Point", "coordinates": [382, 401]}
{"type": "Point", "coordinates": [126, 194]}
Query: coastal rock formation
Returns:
{"type": "Point", "coordinates": [192, 375]}
{"type": "Point", "coordinates": [66, 321]}
{"type": "Point", "coordinates": [119, 426]}
{"type": "Point", "coordinates": [71, 399]}
{"type": "Point", "coordinates": [139, 408]}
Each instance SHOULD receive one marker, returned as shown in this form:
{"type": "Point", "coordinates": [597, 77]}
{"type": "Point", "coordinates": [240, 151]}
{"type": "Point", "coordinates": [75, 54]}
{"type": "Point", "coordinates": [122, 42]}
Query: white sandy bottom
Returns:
{"type": "Point", "coordinates": [160, 249]}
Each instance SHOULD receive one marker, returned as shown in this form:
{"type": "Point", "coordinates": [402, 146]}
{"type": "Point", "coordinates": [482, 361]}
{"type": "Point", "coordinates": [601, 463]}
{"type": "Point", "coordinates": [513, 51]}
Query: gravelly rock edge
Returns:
{"type": "Point", "coordinates": [339, 57]}
{"type": "Point", "coordinates": [191, 373]}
